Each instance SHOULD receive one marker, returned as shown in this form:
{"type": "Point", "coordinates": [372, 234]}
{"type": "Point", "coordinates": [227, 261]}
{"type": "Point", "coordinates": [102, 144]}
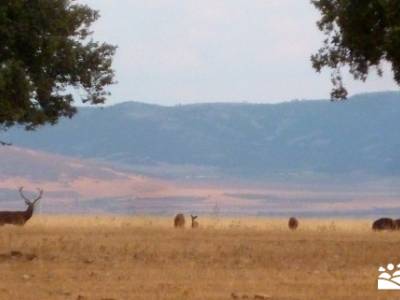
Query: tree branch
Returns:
{"type": "Point", "coordinates": [5, 143]}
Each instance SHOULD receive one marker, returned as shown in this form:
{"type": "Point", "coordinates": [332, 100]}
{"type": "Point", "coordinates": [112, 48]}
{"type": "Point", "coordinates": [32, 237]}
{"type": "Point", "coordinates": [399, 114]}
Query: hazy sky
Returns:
{"type": "Point", "coordinates": [186, 51]}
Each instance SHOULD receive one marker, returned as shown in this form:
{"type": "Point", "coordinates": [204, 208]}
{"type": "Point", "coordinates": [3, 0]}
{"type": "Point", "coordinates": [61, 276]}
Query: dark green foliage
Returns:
{"type": "Point", "coordinates": [360, 34]}
{"type": "Point", "coordinates": [45, 51]}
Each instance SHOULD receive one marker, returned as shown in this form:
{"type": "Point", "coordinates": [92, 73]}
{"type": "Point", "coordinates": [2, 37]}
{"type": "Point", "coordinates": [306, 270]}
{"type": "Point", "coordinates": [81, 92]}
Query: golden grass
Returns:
{"type": "Point", "coordinates": [145, 258]}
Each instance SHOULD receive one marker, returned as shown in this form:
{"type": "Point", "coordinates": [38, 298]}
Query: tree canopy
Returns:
{"type": "Point", "coordinates": [46, 51]}
{"type": "Point", "coordinates": [360, 34]}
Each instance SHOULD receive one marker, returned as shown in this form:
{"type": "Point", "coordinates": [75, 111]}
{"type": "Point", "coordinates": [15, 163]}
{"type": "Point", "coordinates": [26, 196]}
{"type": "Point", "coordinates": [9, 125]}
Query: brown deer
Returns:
{"type": "Point", "coordinates": [179, 221]}
{"type": "Point", "coordinates": [195, 224]}
{"type": "Point", "coordinates": [397, 224]}
{"type": "Point", "coordinates": [384, 224]}
{"type": "Point", "coordinates": [293, 223]}
{"type": "Point", "coordinates": [20, 217]}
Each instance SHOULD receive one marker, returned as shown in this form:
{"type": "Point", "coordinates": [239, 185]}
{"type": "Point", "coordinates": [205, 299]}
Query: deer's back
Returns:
{"type": "Point", "coordinates": [12, 217]}
{"type": "Point", "coordinates": [179, 220]}
{"type": "Point", "coordinates": [383, 224]}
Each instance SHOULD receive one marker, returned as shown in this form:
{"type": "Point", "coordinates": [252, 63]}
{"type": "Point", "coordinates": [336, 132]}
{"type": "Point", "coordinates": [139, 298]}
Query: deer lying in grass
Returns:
{"type": "Point", "coordinates": [20, 217]}
{"type": "Point", "coordinates": [384, 224]}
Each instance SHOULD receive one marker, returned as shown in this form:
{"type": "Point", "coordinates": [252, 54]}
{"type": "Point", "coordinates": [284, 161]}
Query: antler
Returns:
{"type": "Point", "coordinates": [39, 196]}
{"type": "Point", "coordinates": [27, 201]}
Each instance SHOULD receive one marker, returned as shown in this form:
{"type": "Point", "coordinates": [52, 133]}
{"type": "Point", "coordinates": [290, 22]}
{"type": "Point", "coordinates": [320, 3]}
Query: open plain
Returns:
{"type": "Point", "coordinates": [62, 257]}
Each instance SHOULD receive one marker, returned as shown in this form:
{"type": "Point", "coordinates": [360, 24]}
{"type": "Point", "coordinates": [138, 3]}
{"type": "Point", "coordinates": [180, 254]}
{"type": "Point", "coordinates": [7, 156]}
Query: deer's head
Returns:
{"type": "Point", "coordinates": [30, 202]}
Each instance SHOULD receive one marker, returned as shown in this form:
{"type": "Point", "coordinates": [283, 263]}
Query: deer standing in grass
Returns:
{"type": "Point", "coordinates": [293, 223]}
{"type": "Point", "coordinates": [195, 224]}
{"type": "Point", "coordinates": [179, 221]}
{"type": "Point", "coordinates": [20, 217]}
{"type": "Point", "coordinates": [397, 224]}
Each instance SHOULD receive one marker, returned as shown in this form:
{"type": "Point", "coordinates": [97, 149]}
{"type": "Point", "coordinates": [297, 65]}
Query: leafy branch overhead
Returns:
{"type": "Point", "coordinates": [360, 34]}
{"type": "Point", "coordinates": [46, 51]}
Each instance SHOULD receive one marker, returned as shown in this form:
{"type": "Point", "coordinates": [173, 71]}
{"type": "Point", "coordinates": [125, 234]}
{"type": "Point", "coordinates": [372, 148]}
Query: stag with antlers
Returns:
{"type": "Point", "coordinates": [20, 217]}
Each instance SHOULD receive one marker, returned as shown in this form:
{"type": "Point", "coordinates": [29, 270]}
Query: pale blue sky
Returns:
{"type": "Point", "coordinates": [187, 51]}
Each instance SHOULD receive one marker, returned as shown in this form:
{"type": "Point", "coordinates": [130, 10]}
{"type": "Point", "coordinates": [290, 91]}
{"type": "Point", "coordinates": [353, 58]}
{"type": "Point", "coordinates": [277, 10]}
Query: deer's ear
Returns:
{"type": "Point", "coordinates": [27, 202]}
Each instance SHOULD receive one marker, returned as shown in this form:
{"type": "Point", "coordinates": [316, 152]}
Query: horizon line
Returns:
{"type": "Point", "coordinates": [250, 102]}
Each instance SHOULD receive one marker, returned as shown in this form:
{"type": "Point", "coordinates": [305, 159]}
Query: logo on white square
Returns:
{"type": "Point", "coordinates": [389, 277]}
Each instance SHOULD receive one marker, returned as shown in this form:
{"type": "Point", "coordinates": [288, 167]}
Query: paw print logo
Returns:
{"type": "Point", "coordinates": [389, 277]}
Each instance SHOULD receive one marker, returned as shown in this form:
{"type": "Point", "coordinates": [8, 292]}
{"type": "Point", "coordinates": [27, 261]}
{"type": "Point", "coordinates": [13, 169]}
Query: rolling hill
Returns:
{"type": "Point", "coordinates": [308, 158]}
{"type": "Point", "coordinates": [82, 186]}
{"type": "Point", "coordinates": [358, 136]}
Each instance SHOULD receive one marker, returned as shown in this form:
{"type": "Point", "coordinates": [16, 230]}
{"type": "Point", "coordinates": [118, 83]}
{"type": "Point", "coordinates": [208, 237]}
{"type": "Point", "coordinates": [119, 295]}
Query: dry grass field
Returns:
{"type": "Point", "coordinates": [145, 258]}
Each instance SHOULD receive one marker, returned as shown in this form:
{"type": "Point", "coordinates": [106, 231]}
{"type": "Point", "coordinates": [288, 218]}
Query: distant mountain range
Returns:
{"type": "Point", "coordinates": [358, 136]}
{"type": "Point", "coordinates": [104, 160]}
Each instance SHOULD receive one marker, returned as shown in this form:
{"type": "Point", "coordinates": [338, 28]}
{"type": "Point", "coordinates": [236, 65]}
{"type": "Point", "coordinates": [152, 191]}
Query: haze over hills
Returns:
{"type": "Point", "coordinates": [358, 136]}
{"type": "Point", "coordinates": [70, 184]}
{"type": "Point", "coordinates": [87, 187]}
{"type": "Point", "coordinates": [103, 159]}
